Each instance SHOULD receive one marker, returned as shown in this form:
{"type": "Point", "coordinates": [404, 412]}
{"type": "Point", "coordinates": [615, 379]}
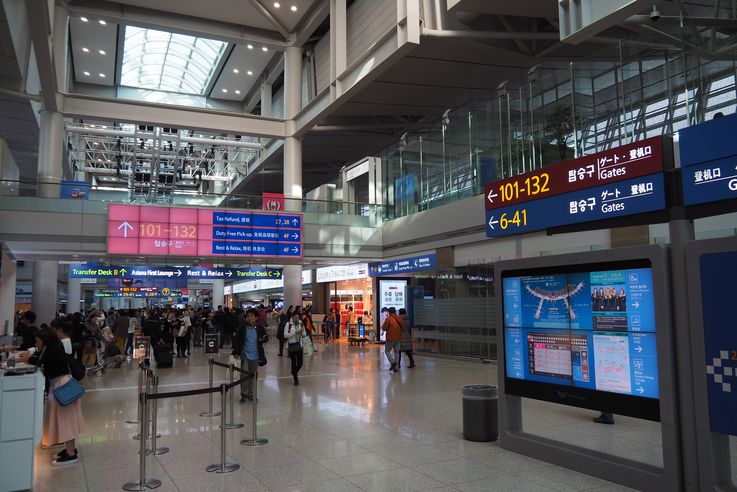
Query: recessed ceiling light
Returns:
{"type": "Point", "coordinates": [225, 90]}
{"type": "Point", "coordinates": [265, 48]}
{"type": "Point", "coordinates": [86, 50]}
{"type": "Point", "coordinates": [237, 91]}
{"type": "Point", "coordinates": [102, 52]}
{"type": "Point", "coordinates": [83, 19]}
{"type": "Point", "coordinates": [249, 72]}
{"type": "Point", "coordinates": [102, 22]}
{"type": "Point", "coordinates": [87, 74]}
{"type": "Point", "coordinates": [235, 70]}
{"type": "Point", "coordinates": [249, 46]}
{"type": "Point", "coordinates": [277, 5]}
{"type": "Point", "coordinates": [293, 8]}
{"type": "Point", "coordinates": [102, 75]}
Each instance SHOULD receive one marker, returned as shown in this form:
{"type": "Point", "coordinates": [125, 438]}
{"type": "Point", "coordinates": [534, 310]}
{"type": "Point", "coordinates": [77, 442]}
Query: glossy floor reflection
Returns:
{"type": "Point", "coordinates": [349, 425]}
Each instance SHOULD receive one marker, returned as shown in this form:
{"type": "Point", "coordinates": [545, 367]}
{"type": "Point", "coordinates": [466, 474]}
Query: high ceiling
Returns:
{"type": "Point", "coordinates": [485, 43]}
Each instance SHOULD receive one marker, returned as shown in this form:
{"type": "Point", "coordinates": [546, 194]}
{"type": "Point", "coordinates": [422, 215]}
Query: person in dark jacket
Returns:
{"type": "Point", "coordinates": [27, 330]}
{"type": "Point", "coordinates": [248, 344]}
{"type": "Point", "coordinates": [283, 320]}
{"type": "Point", "coordinates": [62, 424]}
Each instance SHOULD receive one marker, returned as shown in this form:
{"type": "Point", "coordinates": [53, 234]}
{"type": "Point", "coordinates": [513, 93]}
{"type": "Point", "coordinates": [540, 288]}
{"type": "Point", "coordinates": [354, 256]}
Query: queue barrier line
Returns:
{"type": "Point", "coordinates": [149, 395]}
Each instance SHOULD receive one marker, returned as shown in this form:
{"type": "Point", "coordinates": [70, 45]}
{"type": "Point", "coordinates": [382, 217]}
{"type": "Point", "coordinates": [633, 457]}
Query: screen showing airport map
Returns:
{"type": "Point", "coordinates": [592, 330]}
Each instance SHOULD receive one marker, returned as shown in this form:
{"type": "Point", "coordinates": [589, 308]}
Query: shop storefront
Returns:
{"type": "Point", "coordinates": [351, 295]}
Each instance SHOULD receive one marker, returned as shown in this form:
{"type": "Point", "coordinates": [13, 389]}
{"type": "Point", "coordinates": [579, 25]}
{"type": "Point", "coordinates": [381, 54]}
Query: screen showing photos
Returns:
{"type": "Point", "coordinates": [592, 330]}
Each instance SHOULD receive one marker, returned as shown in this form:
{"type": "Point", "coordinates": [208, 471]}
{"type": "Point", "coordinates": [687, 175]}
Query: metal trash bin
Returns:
{"type": "Point", "coordinates": [480, 413]}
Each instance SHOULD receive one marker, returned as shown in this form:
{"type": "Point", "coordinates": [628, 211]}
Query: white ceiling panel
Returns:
{"type": "Point", "coordinates": [93, 50]}
{"type": "Point", "coordinates": [285, 14]}
{"type": "Point", "coordinates": [244, 60]}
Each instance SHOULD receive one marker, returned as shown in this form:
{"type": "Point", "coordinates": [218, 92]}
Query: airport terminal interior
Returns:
{"type": "Point", "coordinates": [381, 245]}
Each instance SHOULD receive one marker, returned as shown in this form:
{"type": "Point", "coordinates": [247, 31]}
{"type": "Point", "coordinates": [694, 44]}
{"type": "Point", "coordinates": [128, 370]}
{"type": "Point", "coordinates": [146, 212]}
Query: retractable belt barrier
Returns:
{"type": "Point", "coordinates": [148, 396]}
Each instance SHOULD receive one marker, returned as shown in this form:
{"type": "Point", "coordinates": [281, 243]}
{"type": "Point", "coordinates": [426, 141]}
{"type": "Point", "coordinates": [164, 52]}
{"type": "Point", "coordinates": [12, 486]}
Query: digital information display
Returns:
{"type": "Point", "coordinates": [169, 231]}
{"type": "Point", "coordinates": [93, 270]}
{"type": "Point", "coordinates": [633, 196]}
{"type": "Point", "coordinates": [590, 330]}
{"type": "Point", "coordinates": [709, 161]}
{"type": "Point", "coordinates": [413, 264]}
{"type": "Point", "coordinates": [622, 163]}
{"type": "Point", "coordinates": [391, 295]}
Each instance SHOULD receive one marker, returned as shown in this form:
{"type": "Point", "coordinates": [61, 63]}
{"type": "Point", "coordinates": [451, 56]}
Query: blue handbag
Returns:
{"type": "Point", "coordinates": [68, 392]}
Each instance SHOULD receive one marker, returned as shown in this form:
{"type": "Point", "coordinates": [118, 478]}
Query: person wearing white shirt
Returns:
{"type": "Point", "coordinates": [294, 332]}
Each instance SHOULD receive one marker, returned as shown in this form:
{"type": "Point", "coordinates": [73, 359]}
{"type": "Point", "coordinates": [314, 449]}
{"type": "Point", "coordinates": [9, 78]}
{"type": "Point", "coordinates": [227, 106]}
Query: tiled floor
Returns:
{"type": "Point", "coordinates": [349, 425]}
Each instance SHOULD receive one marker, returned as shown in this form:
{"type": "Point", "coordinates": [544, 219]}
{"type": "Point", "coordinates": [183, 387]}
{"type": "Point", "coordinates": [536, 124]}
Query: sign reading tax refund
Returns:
{"type": "Point", "coordinates": [170, 231]}
{"type": "Point", "coordinates": [618, 164]}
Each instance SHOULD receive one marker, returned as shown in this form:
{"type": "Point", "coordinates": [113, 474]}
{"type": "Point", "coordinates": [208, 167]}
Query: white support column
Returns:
{"type": "Point", "coordinates": [292, 164]}
{"type": "Point", "coordinates": [218, 187]}
{"type": "Point", "coordinates": [7, 294]}
{"type": "Point", "coordinates": [338, 43]}
{"type": "Point", "coordinates": [44, 301]}
{"type": "Point", "coordinates": [266, 98]}
{"type": "Point", "coordinates": [218, 293]}
{"type": "Point", "coordinates": [74, 293]}
{"type": "Point", "coordinates": [50, 153]}
{"type": "Point", "coordinates": [61, 46]}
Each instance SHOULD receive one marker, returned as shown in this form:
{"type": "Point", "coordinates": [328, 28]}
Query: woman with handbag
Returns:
{"type": "Point", "coordinates": [294, 333]}
{"type": "Point", "coordinates": [63, 418]}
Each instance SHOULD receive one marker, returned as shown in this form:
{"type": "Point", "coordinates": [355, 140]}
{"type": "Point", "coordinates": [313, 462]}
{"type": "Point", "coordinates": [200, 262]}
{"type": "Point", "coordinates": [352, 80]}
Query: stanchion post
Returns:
{"type": "Point", "coordinates": [255, 441]}
{"type": "Point", "coordinates": [154, 420]}
{"type": "Point", "coordinates": [223, 467]}
{"type": "Point", "coordinates": [209, 412]}
{"type": "Point", "coordinates": [148, 374]}
{"type": "Point", "coordinates": [137, 419]}
{"type": "Point", "coordinates": [142, 483]}
{"type": "Point", "coordinates": [232, 424]}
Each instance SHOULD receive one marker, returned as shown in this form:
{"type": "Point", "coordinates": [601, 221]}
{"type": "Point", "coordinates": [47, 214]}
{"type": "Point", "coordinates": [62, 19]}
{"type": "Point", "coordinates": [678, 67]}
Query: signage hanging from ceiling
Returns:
{"type": "Point", "coordinates": [93, 270]}
{"type": "Point", "coordinates": [709, 161]}
{"type": "Point", "coordinates": [342, 272]}
{"type": "Point", "coordinates": [170, 231]}
{"type": "Point", "coordinates": [404, 265]}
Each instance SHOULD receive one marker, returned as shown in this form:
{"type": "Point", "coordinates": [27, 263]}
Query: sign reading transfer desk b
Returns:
{"type": "Point", "coordinates": [720, 339]}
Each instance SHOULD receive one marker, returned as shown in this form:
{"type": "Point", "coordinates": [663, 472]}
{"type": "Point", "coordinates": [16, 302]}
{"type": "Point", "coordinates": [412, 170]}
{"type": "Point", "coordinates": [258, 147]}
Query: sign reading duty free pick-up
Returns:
{"type": "Point", "coordinates": [171, 231]}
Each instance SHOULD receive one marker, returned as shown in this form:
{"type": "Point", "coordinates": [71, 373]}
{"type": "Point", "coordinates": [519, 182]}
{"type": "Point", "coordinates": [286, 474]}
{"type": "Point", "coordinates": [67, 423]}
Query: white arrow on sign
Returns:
{"type": "Point", "coordinates": [295, 222]}
{"type": "Point", "coordinates": [295, 249]}
{"type": "Point", "coordinates": [638, 349]}
{"type": "Point", "coordinates": [492, 222]}
{"type": "Point", "coordinates": [635, 304]}
{"type": "Point", "coordinates": [491, 196]}
{"type": "Point", "coordinates": [295, 236]}
{"type": "Point", "coordinates": [179, 273]}
{"type": "Point", "coordinates": [125, 226]}
{"type": "Point", "coordinates": [640, 389]}
{"type": "Point", "coordinates": [229, 273]}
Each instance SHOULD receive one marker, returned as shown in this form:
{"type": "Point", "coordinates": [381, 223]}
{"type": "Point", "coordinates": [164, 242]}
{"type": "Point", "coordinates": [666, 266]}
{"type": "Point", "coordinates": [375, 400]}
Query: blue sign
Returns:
{"type": "Point", "coordinates": [710, 182]}
{"type": "Point", "coordinates": [593, 330]}
{"type": "Point", "coordinates": [709, 141]}
{"type": "Point", "coordinates": [413, 264]}
{"type": "Point", "coordinates": [255, 219]}
{"type": "Point", "coordinates": [75, 190]}
{"type": "Point", "coordinates": [256, 248]}
{"type": "Point", "coordinates": [93, 270]}
{"type": "Point", "coordinates": [720, 339]}
{"type": "Point", "coordinates": [634, 196]}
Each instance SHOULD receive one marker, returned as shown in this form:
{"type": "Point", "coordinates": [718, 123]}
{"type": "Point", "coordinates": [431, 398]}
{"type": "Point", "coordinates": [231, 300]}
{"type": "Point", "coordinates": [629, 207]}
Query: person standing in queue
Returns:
{"type": "Point", "coordinates": [294, 333]}
{"type": "Point", "coordinates": [62, 424]}
{"type": "Point", "coordinates": [248, 344]}
{"type": "Point", "coordinates": [393, 327]}
{"type": "Point", "coordinates": [406, 343]}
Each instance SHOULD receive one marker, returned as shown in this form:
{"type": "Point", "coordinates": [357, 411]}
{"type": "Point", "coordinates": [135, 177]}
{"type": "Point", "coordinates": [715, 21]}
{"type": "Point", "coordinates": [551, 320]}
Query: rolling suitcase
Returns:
{"type": "Point", "coordinates": [162, 354]}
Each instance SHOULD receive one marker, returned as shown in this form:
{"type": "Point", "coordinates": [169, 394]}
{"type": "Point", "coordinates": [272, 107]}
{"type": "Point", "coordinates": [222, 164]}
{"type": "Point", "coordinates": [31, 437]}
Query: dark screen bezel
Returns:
{"type": "Point", "coordinates": [622, 404]}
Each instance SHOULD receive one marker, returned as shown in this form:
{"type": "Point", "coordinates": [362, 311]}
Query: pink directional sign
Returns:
{"type": "Point", "coordinates": [171, 231]}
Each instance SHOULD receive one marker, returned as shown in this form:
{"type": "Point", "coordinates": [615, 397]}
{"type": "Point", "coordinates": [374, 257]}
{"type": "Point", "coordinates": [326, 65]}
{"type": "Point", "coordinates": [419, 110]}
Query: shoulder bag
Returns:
{"type": "Point", "coordinates": [68, 392]}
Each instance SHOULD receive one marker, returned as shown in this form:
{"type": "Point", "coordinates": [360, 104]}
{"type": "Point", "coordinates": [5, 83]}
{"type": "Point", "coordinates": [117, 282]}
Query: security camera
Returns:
{"type": "Point", "coordinates": [655, 14]}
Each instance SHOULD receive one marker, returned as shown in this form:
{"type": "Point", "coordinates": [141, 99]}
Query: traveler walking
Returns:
{"type": "Point", "coordinates": [405, 345]}
{"type": "Point", "coordinates": [248, 344]}
{"type": "Point", "coordinates": [281, 327]}
{"type": "Point", "coordinates": [393, 327]}
{"type": "Point", "coordinates": [294, 333]}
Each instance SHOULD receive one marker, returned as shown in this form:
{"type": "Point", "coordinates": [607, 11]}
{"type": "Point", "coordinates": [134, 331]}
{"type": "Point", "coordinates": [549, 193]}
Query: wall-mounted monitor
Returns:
{"type": "Point", "coordinates": [583, 335]}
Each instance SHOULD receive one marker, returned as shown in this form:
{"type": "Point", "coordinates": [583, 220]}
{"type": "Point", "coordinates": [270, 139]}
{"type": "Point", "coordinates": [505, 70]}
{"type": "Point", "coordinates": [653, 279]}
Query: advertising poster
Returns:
{"type": "Point", "coordinates": [392, 295]}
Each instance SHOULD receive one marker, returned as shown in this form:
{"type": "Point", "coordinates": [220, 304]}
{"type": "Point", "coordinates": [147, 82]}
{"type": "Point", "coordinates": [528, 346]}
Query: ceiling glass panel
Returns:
{"type": "Point", "coordinates": [161, 60]}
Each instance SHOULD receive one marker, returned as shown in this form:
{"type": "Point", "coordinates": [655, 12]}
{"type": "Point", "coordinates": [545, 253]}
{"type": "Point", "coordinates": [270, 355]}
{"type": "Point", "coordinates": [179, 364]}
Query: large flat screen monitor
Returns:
{"type": "Point", "coordinates": [583, 335]}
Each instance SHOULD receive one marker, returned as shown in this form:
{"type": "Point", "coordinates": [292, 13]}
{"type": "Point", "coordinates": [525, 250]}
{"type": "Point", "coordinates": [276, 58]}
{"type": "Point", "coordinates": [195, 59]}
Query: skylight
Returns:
{"type": "Point", "coordinates": [165, 61]}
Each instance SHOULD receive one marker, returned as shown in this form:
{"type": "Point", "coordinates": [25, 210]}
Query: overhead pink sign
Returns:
{"type": "Point", "coordinates": [273, 202]}
{"type": "Point", "coordinates": [172, 231]}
